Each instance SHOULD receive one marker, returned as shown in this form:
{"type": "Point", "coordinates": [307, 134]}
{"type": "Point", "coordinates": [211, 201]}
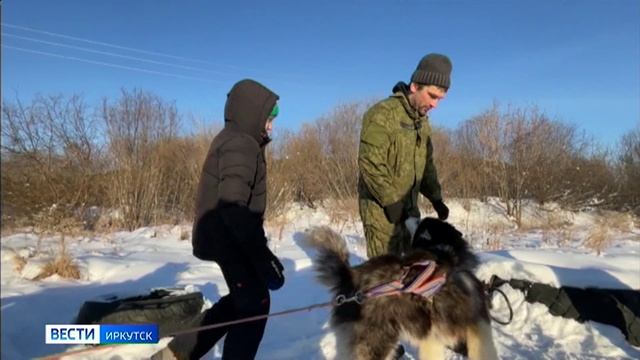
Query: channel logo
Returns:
{"type": "Point", "coordinates": [101, 334]}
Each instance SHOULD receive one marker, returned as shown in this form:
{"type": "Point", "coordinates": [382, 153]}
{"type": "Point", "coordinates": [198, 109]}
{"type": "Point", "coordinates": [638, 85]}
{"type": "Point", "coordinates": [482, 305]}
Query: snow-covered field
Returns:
{"type": "Point", "coordinates": [552, 250]}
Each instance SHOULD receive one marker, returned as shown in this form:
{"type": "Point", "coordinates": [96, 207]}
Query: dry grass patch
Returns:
{"type": "Point", "coordinates": [622, 222]}
{"type": "Point", "coordinates": [63, 265]}
{"type": "Point", "coordinates": [343, 211]}
{"type": "Point", "coordinates": [565, 236]}
{"type": "Point", "coordinates": [277, 224]}
{"type": "Point", "coordinates": [599, 238]}
{"type": "Point", "coordinates": [494, 232]}
{"type": "Point", "coordinates": [486, 236]}
{"type": "Point", "coordinates": [562, 236]}
{"type": "Point", "coordinates": [605, 226]}
{"type": "Point", "coordinates": [19, 262]}
{"type": "Point", "coordinates": [185, 234]}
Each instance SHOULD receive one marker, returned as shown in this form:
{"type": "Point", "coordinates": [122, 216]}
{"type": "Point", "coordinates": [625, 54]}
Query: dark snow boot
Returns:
{"type": "Point", "coordinates": [399, 354]}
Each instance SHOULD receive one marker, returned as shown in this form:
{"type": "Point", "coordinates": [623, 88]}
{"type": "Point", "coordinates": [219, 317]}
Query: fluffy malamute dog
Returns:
{"type": "Point", "coordinates": [457, 316]}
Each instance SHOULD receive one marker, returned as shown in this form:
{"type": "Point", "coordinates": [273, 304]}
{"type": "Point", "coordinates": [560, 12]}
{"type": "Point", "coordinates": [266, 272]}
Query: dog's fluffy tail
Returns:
{"type": "Point", "coordinates": [332, 261]}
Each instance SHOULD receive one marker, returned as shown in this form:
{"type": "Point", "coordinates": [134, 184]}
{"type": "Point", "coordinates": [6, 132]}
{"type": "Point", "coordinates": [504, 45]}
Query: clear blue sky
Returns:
{"type": "Point", "coordinates": [579, 60]}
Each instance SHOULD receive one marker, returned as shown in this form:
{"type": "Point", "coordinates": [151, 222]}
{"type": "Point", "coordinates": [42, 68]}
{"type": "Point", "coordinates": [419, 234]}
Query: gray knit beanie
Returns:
{"type": "Point", "coordinates": [433, 69]}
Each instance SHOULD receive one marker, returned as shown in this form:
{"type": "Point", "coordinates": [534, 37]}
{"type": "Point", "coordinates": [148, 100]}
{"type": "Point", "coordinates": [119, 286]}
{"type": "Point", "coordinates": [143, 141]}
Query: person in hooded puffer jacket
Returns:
{"type": "Point", "coordinates": [228, 227]}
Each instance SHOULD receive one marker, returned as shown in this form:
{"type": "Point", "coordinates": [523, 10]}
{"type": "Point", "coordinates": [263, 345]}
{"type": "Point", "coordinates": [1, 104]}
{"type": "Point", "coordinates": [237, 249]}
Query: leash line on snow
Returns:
{"type": "Point", "coordinates": [335, 302]}
{"type": "Point", "coordinates": [252, 318]}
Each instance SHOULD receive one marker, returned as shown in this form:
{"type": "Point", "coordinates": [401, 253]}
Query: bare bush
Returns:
{"type": "Point", "coordinates": [622, 222]}
{"type": "Point", "coordinates": [19, 261]}
{"type": "Point", "coordinates": [480, 156]}
{"type": "Point", "coordinates": [629, 165]}
{"type": "Point", "coordinates": [343, 212]}
{"type": "Point", "coordinates": [521, 154]}
{"type": "Point", "coordinates": [559, 236]}
{"type": "Point", "coordinates": [50, 156]}
{"type": "Point", "coordinates": [340, 133]}
{"type": "Point", "coordinates": [303, 159]}
{"type": "Point", "coordinates": [128, 158]}
{"type": "Point", "coordinates": [280, 183]}
{"type": "Point", "coordinates": [599, 238]}
{"type": "Point", "coordinates": [320, 161]}
{"type": "Point", "coordinates": [141, 134]}
{"type": "Point", "coordinates": [446, 160]}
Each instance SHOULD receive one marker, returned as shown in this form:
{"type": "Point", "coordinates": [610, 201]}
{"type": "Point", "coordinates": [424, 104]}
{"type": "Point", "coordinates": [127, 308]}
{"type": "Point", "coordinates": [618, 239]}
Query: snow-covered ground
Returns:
{"type": "Point", "coordinates": [554, 250]}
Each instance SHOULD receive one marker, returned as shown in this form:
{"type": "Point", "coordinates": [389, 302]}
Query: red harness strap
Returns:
{"type": "Point", "coordinates": [424, 284]}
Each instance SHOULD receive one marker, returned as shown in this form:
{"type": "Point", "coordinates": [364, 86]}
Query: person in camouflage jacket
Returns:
{"type": "Point", "coordinates": [395, 158]}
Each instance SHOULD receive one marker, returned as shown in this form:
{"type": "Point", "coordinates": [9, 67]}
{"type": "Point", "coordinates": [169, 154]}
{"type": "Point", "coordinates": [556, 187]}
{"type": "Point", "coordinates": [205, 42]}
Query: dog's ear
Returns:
{"type": "Point", "coordinates": [453, 229]}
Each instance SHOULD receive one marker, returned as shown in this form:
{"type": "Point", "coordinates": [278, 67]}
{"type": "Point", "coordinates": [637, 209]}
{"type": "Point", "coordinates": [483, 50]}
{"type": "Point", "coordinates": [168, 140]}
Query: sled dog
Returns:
{"type": "Point", "coordinates": [455, 316]}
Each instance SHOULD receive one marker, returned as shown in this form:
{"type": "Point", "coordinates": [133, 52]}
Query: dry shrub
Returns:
{"type": "Point", "coordinates": [131, 158]}
{"type": "Point", "coordinates": [565, 236]}
{"type": "Point", "coordinates": [50, 155]}
{"type": "Point", "coordinates": [466, 204]}
{"type": "Point", "coordinates": [493, 242]}
{"type": "Point", "coordinates": [56, 221]}
{"type": "Point", "coordinates": [63, 265]}
{"type": "Point", "coordinates": [622, 222]}
{"type": "Point", "coordinates": [599, 238]}
{"type": "Point", "coordinates": [343, 211]}
{"type": "Point", "coordinates": [280, 183]}
{"type": "Point", "coordinates": [521, 153]}
{"type": "Point", "coordinates": [142, 136]}
{"type": "Point", "coordinates": [107, 222]}
{"type": "Point", "coordinates": [303, 166]}
{"type": "Point", "coordinates": [317, 163]}
{"type": "Point", "coordinates": [547, 236]}
{"type": "Point", "coordinates": [629, 171]}
{"type": "Point", "coordinates": [493, 236]}
{"type": "Point", "coordinates": [19, 262]}
{"type": "Point", "coordinates": [559, 236]}
{"type": "Point", "coordinates": [277, 224]}
{"type": "Point", "coordinates": [547, 220]}
{"type": "Point", "coordinates": [601, 234]}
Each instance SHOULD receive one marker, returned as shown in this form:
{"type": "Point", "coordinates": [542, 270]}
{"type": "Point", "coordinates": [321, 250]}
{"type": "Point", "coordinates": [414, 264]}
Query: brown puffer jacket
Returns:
{"type": "Point", "coordinates": [231, 197]}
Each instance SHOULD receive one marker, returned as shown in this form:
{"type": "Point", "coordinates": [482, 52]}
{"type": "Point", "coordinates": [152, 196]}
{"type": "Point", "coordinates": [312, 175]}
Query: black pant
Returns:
{"type": "Point", "coordinates": [248, 296]}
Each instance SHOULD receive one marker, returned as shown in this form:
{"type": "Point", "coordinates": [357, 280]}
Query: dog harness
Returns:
{"type": "Point", "coordinates": [424, 283]}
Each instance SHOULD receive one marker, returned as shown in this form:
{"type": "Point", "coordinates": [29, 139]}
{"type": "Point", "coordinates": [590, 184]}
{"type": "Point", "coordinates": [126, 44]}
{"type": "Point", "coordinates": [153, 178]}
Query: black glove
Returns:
{"type": "Point", "coordinates": [441, 209]}
{"type": "Point", "coordinates": [395, 212]}
{"type": "Point", "coordinates": [270, 270]}
{"type": "Point", "coordinates": [247, 228]}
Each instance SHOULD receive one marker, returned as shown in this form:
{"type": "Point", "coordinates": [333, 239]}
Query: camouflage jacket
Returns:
{"type": "Point", "coordinates": [395, 157]}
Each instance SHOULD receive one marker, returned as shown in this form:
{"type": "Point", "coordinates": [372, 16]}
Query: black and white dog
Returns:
{"type": "Point", "coordinates": [456, 316]}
